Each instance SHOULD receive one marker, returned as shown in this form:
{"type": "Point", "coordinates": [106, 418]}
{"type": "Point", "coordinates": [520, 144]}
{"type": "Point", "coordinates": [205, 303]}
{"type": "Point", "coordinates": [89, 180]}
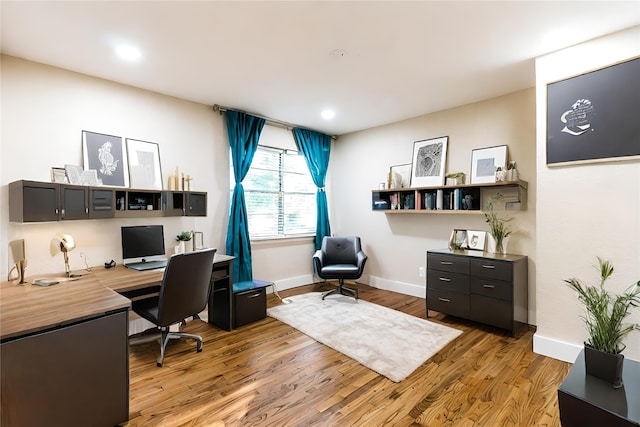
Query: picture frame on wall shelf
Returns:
{"type": "Point", "coordinates": [105, 154]}
{"type": "Point", "coordinates": [592, 117]}
{"type": "Point", "coordinates": [73, 173]}
{"type": "Point", "coordinates": [400, 176]}
{"type": "Point", "coordinates": [59, 175]}
{"type": "Point", "coordinates": [485, 161]}
{"type": "Point", "coordinates": [475, 240]}
{"type": "Point", "coordinates": [145, 171]}
{"type": "Point", "coordinates": [429, 162]}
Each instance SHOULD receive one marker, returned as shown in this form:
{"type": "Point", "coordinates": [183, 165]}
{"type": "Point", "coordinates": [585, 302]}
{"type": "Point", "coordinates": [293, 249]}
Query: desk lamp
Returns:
{"type": "Point", "coordinates": [63, 243]}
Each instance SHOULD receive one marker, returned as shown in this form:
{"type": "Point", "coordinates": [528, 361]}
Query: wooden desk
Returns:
{"type": "Point", "coordinates": [64, 355]}
{"type": "Point", "coordinates": [133, 284]}
{"type": "Point", "coordinates": [64, 352]}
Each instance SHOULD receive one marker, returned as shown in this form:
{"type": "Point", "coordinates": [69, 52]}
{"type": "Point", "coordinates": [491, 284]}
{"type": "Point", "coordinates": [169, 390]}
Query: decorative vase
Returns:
{"type": "Point", "coordinates": [495, 247]}
{"type": "Point", "coordinates": [606, 366]}
{"type": "Point", "coordinates": [179, 248]}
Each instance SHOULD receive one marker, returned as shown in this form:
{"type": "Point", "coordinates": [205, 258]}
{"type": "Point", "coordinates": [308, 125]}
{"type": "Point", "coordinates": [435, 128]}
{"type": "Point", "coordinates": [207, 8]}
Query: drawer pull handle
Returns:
{"type": "Point", "coordinates": [491, 267]}
{"type": "Point", "coordinates": [444, 299]}
{"type": "Point", "coordinates": [255, 295]}
{"type": "Point", "coordinates": [488, 286]}
{"type": "Point", "coordinates": [445, 279]}
{"type": "Point", "coordinates": [446, 262]}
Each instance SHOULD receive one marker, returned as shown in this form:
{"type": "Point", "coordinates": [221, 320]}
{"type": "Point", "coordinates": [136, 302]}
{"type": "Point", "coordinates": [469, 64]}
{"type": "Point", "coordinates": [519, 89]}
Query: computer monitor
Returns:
{"type": "Point", "coordinates": [142, 241]}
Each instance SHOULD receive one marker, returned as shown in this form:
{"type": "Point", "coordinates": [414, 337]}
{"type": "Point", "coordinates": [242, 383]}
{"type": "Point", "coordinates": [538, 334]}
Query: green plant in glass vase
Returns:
{"type": "Point", "coordinates": [498, 227]}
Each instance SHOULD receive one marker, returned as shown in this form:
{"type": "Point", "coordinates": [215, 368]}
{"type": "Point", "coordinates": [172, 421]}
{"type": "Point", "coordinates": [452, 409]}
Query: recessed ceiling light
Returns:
{"type": "Point", "coordinates": [129, 53]}
{"type": "Point", "coordinates": [328, 114]}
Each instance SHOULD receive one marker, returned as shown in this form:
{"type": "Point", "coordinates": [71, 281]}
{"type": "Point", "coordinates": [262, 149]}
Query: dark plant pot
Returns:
{"type": "Point", "coordinates": [606, 366]}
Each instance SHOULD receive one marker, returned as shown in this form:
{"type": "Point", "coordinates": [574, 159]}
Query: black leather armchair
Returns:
{"type": "Point", "coordinates": [184, 292]}
{"type": "Point", "coordinates": [340, 258]}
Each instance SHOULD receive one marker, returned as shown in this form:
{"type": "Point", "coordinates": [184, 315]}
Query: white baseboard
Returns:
{"type": "Point", "coordinates": [399, 287]}
{"type": "Point", "coordinates": [292, 282]}
{"type": "Point", "coordinates": [560, 350]}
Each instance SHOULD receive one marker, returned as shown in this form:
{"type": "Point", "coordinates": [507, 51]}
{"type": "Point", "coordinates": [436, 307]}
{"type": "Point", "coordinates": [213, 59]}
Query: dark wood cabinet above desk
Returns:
{"type": "Point", "coordinates": [33, 201]}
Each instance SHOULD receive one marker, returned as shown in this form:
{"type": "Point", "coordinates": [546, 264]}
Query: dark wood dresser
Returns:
{"type": "Point", "coordinates": [479, 286]}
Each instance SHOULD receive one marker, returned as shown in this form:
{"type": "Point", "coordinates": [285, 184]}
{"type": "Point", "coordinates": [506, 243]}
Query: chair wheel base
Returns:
{"type": "Point", "coordinates": [342, 290]}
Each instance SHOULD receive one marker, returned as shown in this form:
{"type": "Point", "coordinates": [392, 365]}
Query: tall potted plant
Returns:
{"type": "Point", "coordinates": [605, 314]}
{"type": "Point", "coordinates": [499, 230]}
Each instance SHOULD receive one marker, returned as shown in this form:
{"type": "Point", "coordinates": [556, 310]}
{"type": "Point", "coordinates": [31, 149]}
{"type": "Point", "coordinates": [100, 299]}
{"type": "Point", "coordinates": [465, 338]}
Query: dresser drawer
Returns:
{"type": "Point", "coordinates": [491, 288]}
{"type": "Point", "coordinates": [446, 281]}
{"type": "Point", "coordinates": [448, 303]}
{"type": "Point", "coordinates": [454, 264]}
{"type": "Point", "coordinates": [491, 311]}
{"type": "Point", "coordinates": [491, 269]}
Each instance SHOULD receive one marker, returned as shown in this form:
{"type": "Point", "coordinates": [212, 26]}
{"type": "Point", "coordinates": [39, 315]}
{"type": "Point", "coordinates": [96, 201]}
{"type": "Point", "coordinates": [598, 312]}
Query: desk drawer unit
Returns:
{"type": "Point", "coordinates": [249, 306]}
{"type": "Point", "coordinates": [483, 287]}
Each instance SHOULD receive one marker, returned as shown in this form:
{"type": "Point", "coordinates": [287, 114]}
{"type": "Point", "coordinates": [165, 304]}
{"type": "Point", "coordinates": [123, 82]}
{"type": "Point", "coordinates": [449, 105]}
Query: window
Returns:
{"type": "Point", "coordinates": [280, 194]}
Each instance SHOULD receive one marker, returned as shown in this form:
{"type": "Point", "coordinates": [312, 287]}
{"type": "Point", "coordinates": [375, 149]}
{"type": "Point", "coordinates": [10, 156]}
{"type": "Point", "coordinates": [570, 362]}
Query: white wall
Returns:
{"type": "Point", "coordinates": [45, 109]}
{"type": "Point", "coordinates": [396, 244]}
{"type": "Point", "coordinates": [590, 210]}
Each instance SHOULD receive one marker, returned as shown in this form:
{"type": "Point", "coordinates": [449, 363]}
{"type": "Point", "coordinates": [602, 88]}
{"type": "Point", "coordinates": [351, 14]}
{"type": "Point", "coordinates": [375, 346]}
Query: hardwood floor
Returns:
{"type": "Point", "coordinates": [269, 374]}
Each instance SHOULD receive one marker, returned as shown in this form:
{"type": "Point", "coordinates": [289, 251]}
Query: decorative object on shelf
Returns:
{"type": "Point", "coordinates": [457, 178]}
{"type": "Point", "coordinates": [429, 160]}
{"type": "Point", "coordinates": [605, 314]}
{"type": "Point", "coordinates": [475, 240]}
{"type": "Point", "coordinates": [512, 171]}
{"type": "Point", "coordinates": [467, 202]}
{"type": "Point", "coordinates": [105, 154]}
{"type": "Point", "coordinates": [458, 239]}
{"type": "Point", "coordinates": [499, 230]}
{"type": "Point", "coordinates": [145, 171]}
{"type": "Point", "coordinates": [59, 175]}
{"type": "Point", "coordinates": [499, 174]}
{"type": "Point", "coordinates": [593, 117]}
{"type": "Point", "coordinates": [400, 176]}
{"type": "Point", "coordinates": [188, 180]}
{"type": "Point", "coordinates": [63, 243]}
{"type": "Point", "coordinates": [485, 161]}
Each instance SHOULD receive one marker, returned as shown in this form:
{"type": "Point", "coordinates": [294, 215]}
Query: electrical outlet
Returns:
{"type": "Point", "coordinates": [420, 271]}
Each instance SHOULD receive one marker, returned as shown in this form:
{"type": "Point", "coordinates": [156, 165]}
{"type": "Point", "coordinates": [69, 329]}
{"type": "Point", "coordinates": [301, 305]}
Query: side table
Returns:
{"type": "Point", "coordinates": [585, 400]}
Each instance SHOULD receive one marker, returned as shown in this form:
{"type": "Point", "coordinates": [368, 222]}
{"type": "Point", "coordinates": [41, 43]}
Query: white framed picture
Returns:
{"type": "Point", "coordinates": [145, 171]}
{"type": "Point", "coordinates": [485, 161]}
{"type": "Point", "coordinates": [475, 240]}
{"type": "Point", "coordinates": [105, 154]}
{"type": "Point", "coordinates": [400, 176]}
{"type": "Point", "coordinates": [429, 161]}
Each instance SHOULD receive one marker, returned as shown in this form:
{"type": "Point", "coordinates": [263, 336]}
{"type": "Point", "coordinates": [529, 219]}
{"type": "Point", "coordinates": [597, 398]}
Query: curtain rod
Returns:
{"type": "Point", "coordinates": [273, 122]}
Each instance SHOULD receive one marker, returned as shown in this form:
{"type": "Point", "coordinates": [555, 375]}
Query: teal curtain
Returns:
{"type": "Point", "coordinates": [244, 132]}
{"type": "Point", "coordinates": [316, 148]}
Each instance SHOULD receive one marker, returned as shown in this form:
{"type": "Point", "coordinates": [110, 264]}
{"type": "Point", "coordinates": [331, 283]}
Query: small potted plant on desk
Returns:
{"type": "Point", "coordinates": [182, 238]}
{"type": "Point", "coordinates": [605, 314]}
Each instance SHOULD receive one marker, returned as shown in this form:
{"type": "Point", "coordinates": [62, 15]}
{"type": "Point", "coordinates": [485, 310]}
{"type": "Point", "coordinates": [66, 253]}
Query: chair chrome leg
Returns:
{"type": "Point", "coordinates": [342, 290]}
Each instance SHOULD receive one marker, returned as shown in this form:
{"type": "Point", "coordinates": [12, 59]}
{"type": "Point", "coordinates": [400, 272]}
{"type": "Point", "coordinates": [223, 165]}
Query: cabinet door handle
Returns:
{"type": "Point", "coordinates": [488, 286]}
{"type": "Point", "coordinates": [446, 262]}
{"type": "Point", "coordinates": [444, 299]}
{"type": "Point", "coordinates": [489, 266]}
{"type": "Point", "coordinates": [255, 295]}
{"type": "Point", "coordinates": [445, 279]}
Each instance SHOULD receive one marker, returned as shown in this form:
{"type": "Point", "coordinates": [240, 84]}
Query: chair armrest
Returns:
{"type": "Point", "coordinates": [318, 260]}
{"type": "Point", "coordinates": [362, 258]}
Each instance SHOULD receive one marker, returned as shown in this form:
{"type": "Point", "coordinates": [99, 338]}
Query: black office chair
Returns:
{"type": "Point", "coordinates": [183, 293]}
{"type": "Point", "coordinates": [340, 258]}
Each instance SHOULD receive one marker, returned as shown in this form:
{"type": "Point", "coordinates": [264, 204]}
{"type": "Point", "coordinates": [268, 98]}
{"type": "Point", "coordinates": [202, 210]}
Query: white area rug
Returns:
{"type": "Point", "coordinates": [387, 341]}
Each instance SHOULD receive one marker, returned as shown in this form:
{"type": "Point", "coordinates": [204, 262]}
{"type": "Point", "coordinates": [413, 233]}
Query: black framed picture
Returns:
{"type": "Point", "coordinates": [106, 155]}
{"type": "Point", "coordinates": [593, 117]}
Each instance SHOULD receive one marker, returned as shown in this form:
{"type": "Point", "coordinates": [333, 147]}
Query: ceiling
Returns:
{"type": "Point", "coordinates": [372, 62]}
